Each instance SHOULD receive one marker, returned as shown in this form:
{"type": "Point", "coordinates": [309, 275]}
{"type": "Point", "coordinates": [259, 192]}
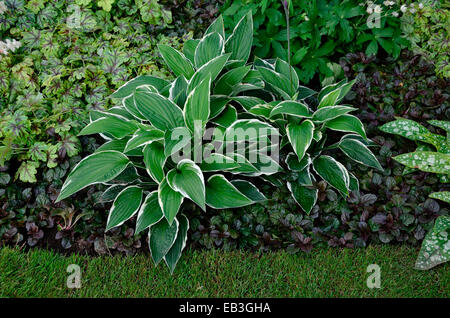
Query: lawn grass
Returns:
{"type": "Point", "coordinates": [321, 273]}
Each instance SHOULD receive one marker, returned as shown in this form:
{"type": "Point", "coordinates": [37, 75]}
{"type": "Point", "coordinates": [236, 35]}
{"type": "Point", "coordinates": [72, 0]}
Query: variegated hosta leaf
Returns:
{"type": "Point", "coordinates": [154, 159]}
{"type": "Point", "coordinates": [330, 112]}
{"type": "Point", "coordinates": [333, 172]}
{"type": "Point", "coordinates": [291, 108]}
{"type": "Point", "coordinates": [115, 126]}
{"type": "Point", "coordinates": [227, 81]}
{"type": "Point", "coordinates": [129, 87]}
{"type": "Point", "coordinates": [357, 151]}
{"type": "Point", "coordinates": [212, 69]}
{"type": "Point", "coordinates": [161, 237]}
{"type": "Point", "coordinates": [125, 205]}
{"type": "Point", "coordinates": [96, 168]}
{"type": "Point", "coordinates": [217, 26]}
{"type": "Point", "coordinates": [169, 200]}
{"type": "Point", "coordinates": [160, 111]}
{"type": "Point", "coordinates": [143, 137]}
{"type": "Point", "coordinates": [149, 213]}
{"type": "Point", "coordinates": [209, 47]}
{"type": "Point", "coordinates": [222, 194]}
{"type": "Point", "coordinates": [428, 161]}
{"type": "Point", "coordinates": [329, 99]}
{"type": "Point", "coordinates": [443, 196]}
{"type": "Point", "coordinates": [239, 44]}
{"type": "Point", "coordinates": [347, 123]}
{"type": "Point", "coordinates": [300, 137]}
{"type": "Point", "coordinates": [173, 255]}
{"type": "Point", "coordinates": [284, 68]}
{"type": "Point", "coordinates": [303, 192]}
{"type": "Point", "coordinates": [294, 164]}
{"type": "Point", "coordinates": [176, 61]}
{"type": "Point", "coordinates": [187, 179]}
{"type": "Point", "coordinates": [197, 106]}
{"type": "Point", "coordinates": [436, 245]}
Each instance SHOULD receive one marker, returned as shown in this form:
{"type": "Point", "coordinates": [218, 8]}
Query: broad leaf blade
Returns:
{"type": "Point", "coordinates": [300, 137]}
{"type": "Point", "coordinates": [187, 179]}
{"type": "Point", "coordinates": [124, 207]}
{"type": "Point", "coordinates": [149, 213]}
{"type": "Point", "coordinates": [169, 200]}
{"type": "Point", "coordinates": [333, 172]}
{"type": "Point", "coordinates": [161, 237]}
{"type": "Point", "coordinates": [96, 168]}
{"type": "Point", "coordinates": [176, 61]}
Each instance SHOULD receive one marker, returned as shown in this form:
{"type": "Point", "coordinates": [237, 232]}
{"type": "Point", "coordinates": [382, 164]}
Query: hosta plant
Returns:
{"type": "Point", "coordinates": [155, 157]}
{"type": "Point", "coordinates": [313, 126]}
{"type": "Point", "coordinates": [432, 153]}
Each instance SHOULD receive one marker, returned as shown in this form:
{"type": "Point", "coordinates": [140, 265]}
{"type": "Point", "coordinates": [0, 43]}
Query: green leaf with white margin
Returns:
{"type": "Point", "coordinates": [344, 89]}
{"type": "Point", "coordinates": [330, 112]}
{"type": "Point", "coordinates": [176, 61]}
{"type": "Point", "coordinates": [96, 168]}
{"type": "Point", "coordinates": [291, 108]}
{"type": "Point", "coordinates": [160, 111]}
{"type": "Point", "coordinates": [436, 245]}
{"type": "Point", "coordinates": [329, 99]}
{"type": "Point", "coordinates": [212, 68]}
{"type": "Point", "coordinates": [227, 117]}
{"type": "Point", "coordinates": [174, 254]}
{"type": "Point", "coordinates": [178, 91]}
{"type": "Point", "coordinates": [154, 160]}
{"type": "Point", "coordinates": [300, 137]}
{"type": "Point", "coordinates": [357, 151]}
{"type": "Point", "coordinates": [217, 26]}
{"type": "Point", "coordinates": [305, 196]}
{"type": "Point", "coordinates": [227, 81]}
{"type": "Point", "coordinates": [197, 105]}
{"type": "Point", "coordinates": [189, 49]}
{"type": "Point", "coordinates": [161, 237]}
{"type": "Point", "coordinates": [354, 183]}
{"type": "Point", "coordinates": [333, 172]}
{"type": "Point", "coordinates": [278, 81]}
{"type": "Point", "coordinates": [169, 200]}
{"type": "Point", "coordinates": [249, 190]}
{"type": "Point", "coordinates": [150, 213]}
{"type": "Point", "coordinates": [143, 137]}
{"type": "Point", "coordinates": [176, 139]}
{"type": "Point", "coordinates": [209, 47]}
{"type": "Point", "coordinates": [129, 87]}
{"type": "Point", "coordinates": [247, 102]}
{"type": "Point", "coordinates": [443, 196]}
{"type": "Point", "coordinates": [249, 129]}
{"type": "Point", "coordinates": [130, 106]}
{"type": "Point", "coordinates": [187, 179]}
{"type": "Point", "coordinates": [239, 44]}
{"type": "Point", "coordinates": [347, 123]}
{"type": "Point", "coordinates": [115, 126]}
{"type": "Point", "coordinates": [125, 205]}
{"type": "Point", "coordinates": [284, 68]}
{"type": "Point", "coordinates": [217, 162]}
{"type": "Point", "coordinates": [428, 161]}
{"type": "Point", "coordinates": [294, 164]}
{"type": "Point", "coordinates": [222, 194]}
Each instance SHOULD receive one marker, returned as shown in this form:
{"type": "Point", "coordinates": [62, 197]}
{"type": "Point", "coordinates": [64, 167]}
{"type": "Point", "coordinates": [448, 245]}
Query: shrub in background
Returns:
{"type": "Point", "coordinates": [320, 32]}
{"type": "Point", "coordinates": [426, 26]}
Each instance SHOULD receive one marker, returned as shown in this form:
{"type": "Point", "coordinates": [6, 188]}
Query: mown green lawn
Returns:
{"type": "Point", "coordinates": [321, 273]}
